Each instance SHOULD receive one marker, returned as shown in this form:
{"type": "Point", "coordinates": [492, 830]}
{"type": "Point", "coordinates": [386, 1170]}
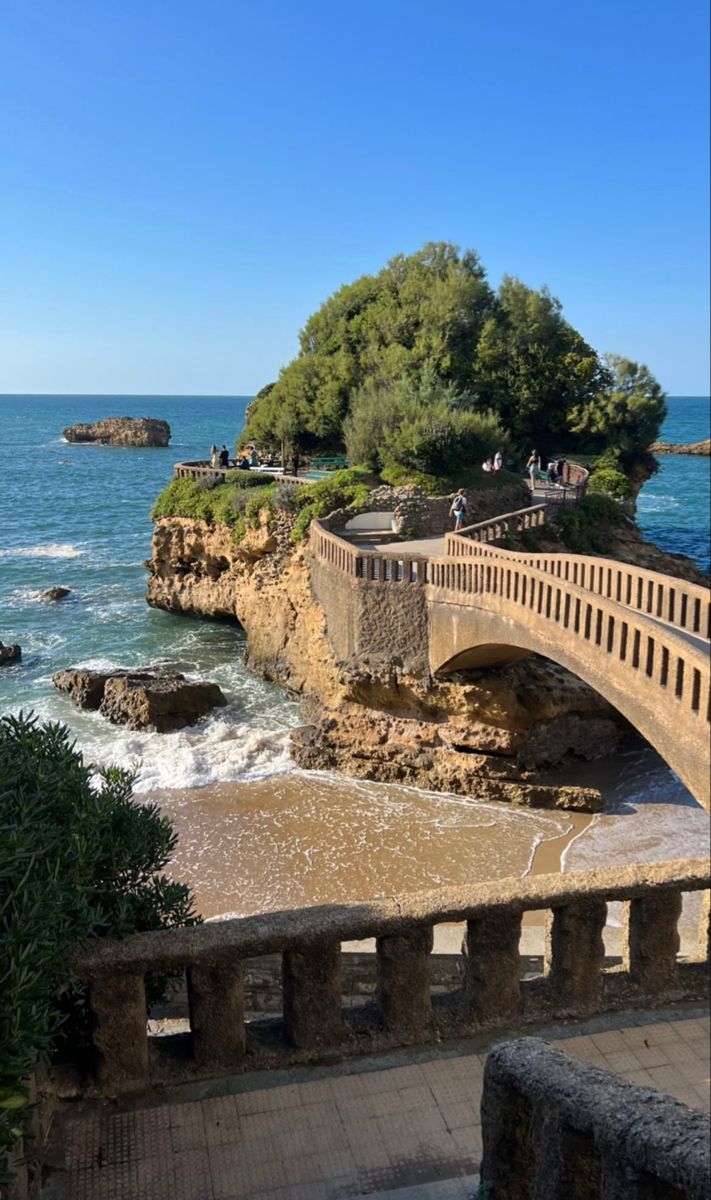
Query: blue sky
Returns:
{"type": "Point", "coordinates": [182, 183]}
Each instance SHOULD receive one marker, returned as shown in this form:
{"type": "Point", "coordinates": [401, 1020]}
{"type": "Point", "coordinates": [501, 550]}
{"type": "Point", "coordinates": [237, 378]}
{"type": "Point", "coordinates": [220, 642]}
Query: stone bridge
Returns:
{"type": "Point", "coordinates": [638, 637]}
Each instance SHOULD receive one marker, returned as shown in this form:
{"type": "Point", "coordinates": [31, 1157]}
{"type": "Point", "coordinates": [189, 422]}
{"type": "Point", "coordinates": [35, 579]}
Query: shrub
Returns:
{"type": "Point", "coordinates": [609, 478]}
{"type": "Point", "coordinates": [79, 858]}
{"type": "Point", "coordinates": [589, 528]}
{"type": "Point", "coordinates": [340, 489]}
{"type": "Point", "coordinates": [224, 504]}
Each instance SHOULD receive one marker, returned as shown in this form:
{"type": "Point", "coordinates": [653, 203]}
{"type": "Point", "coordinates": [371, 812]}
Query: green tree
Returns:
{"type": "Point", "coordinates": [532, 366]}
{"type": "Point", "coordinates": [79, 857]}
{"type": "Point", "coordinates": [627, 414]}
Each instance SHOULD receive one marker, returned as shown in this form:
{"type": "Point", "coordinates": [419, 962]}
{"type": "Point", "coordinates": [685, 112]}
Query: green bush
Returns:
{"type": "Point", "coordinates": [589, 528]}
{"type": "Point", "coordinates": [79, 858]}
{"type": "Point", "coordinates": [224, 504]}
{"type": "Point", "coordinates": [608, 477]}
{"type": "Point", "coordinates": [339, 489]}
{"type": "Point", "coordinates": [472, 478]}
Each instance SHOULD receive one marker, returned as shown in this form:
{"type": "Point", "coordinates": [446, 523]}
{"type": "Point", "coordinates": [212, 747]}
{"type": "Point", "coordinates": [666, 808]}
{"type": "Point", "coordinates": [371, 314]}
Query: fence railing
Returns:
{"type": "Point", "coordinates": [201, 469]}
{"type": "Point", "coordinates": [556, 1127]}
{"type": "Point", "coordinates": [575, 981]}
{"type": "Point", "coordinates": [667, 598]}
{"type": "Point", "coordinates": [358, 563]}
{"type": "Point", "coordinates": [655, 657]}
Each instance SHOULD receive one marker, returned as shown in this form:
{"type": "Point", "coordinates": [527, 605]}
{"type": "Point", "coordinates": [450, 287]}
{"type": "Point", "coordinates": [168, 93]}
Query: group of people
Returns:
{"type": "Point", "coordinates": [555, 472]}
{"type": "Point", "coordinates": [219, 458]}
{"type": "Point", "coordinates": [493, 464]}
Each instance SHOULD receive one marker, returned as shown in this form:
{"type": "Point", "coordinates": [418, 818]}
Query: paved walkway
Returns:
{"type": "Point", "coordinates": [405, 1127]}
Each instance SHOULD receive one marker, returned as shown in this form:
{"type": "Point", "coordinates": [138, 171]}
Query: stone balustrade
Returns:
{"type": "Point", "coordinates": [667, 598]}
{"type": "Point", "coordinates": [202, 469]}
{"type": "Point", "coordinates": [314, 1020]}
{"type": "Point", "coordinates": [558, 1128]}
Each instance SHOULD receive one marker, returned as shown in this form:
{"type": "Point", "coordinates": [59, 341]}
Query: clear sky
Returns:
{"type": "Point", "coordinates": [182, 182]}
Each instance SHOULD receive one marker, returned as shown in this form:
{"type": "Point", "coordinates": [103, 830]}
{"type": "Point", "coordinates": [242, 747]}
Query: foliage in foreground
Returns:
{"type": "Point", "coordinates": [79, 858]}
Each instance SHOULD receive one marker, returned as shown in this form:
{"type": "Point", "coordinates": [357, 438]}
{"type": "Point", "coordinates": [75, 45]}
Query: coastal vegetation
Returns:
{"type": "Point", "coordinates": [424, 366]}
{"type": "Point", "coordinates": [80, 859]}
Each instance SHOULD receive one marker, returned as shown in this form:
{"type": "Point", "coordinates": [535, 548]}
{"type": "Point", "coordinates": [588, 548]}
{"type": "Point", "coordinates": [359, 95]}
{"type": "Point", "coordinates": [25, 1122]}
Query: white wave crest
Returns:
{"type": "Point", "coordinates": [218, 750]}
{"type": "Point", "coordinates": [44, 550]}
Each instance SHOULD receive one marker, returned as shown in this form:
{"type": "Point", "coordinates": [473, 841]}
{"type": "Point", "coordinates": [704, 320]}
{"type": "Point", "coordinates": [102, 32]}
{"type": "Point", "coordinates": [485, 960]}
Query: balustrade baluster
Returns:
{"type": "Point", "coordinates": [492, 989]}
{"type": "Point", "coordinates": [404, 989]}
{"type": "Point", "coordinates": [575, 953]}
{"type": "Point", "coordinates": [312, 995]}
{"type": "Point", "coordinates": [120, 1035]}
{"type": "Point", "coordinates": [216, 998]}
{"type": "Point", "coordinates": [651, 940]}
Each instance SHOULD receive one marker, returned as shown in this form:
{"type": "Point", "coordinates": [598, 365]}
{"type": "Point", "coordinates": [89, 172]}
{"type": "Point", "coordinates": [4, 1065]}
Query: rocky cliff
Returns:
{"type": "Point", "coordinates": [703, 448]}
{"type": "Point", "coordinates": [121, 431]}
{"type": "Point", "coordinates": [481, 732]}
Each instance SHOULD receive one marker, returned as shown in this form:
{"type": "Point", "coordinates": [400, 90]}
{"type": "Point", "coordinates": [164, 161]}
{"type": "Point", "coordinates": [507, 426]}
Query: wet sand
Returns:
{"type": "Point", "coordinates": [297, 840]}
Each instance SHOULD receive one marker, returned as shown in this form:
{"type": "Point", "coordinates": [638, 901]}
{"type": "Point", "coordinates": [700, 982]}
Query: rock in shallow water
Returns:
{"type": "Point", "coordinates": [148, 700]}
{"type": "Point", "coordinates": [9, 654]}
{"type": "Point", "coordinates": [51, 595]}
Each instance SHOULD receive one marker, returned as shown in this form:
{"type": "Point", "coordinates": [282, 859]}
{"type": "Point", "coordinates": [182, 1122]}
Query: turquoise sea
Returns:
{"type": "Point", "coordinates": [78, 516]}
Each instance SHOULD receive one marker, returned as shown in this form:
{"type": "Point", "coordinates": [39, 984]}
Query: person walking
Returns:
{"type": "Point", "coordinates": [214, 457]}
{"type": "Point", "coordinates": [459, 509]}
{"type": "Point", "coordinates": [533, 466]}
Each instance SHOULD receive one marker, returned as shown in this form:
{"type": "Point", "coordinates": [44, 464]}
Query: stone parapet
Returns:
{"type": "Point", "coordinates": [405, 1009]}
{"type": "Point", "coordinates": [558, 1128]}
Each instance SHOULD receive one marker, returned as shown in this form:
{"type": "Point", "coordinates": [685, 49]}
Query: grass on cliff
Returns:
{"type": "Point", "coordinates": [472, 478]}
{"type": "Point", "coordinates": [590, 528]}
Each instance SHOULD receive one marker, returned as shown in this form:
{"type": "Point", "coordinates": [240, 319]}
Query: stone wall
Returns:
{"type": "Point", "coordinates": [556, 1127]}
{"type": "Point", "coordinates": [405, 1009]}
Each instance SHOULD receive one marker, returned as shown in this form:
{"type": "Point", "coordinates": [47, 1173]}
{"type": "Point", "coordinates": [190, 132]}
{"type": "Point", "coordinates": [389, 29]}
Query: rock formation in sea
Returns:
{"type": "Point", "coordinates": [9, 654]}
{"type": "Point", "coordinates": [53, 594]}
{"type": "Point", "coordinates": [149, 700]}
{"type": "Point", "coordinates": [121, 431]}
{"type": "Point", "coordinates": [703, 448]}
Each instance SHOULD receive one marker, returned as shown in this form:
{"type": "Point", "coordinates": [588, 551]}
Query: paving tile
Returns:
{"type": "Point", "coordinates": [221, 1120]}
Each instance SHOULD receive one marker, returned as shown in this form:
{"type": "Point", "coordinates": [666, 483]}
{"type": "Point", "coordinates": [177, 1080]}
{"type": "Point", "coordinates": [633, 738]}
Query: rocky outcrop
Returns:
{"type": "Point", "coordinates": [149, 700]}
{"type": "Point", "coordinates": [703, 448]}
{"type": "Point", "coordinates": [53, 594]}
{"type": "Point", "coordinates": [482, 733]}
{"type": "Point", "coordinates": [9, 654]}
{"type": "Point", "coordinates": [121, 431]}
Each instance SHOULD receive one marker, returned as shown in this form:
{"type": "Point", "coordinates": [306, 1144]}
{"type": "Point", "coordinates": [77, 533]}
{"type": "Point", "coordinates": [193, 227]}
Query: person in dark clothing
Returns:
{"type": "Point", "coordinates": [560, 470]}
{"type": "Point", "coordinates": [224, 456]}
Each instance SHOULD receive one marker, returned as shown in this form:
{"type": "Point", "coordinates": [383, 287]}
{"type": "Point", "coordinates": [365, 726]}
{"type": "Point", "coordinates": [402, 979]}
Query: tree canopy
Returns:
{"type": "Point", "coordinates": [409, 355]}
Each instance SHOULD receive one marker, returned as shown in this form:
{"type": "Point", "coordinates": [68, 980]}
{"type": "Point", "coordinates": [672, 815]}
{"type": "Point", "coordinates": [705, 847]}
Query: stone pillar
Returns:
{"type": "Point", "coordinates": [118, 1006]}
{"type": "Point", "coordinates": [404, 983]}
{"type": "Point", "coordinates": [651, 941]}
{"type": "Point", "coordinates": [216, 995]}
{"type": "Point", "coordinates": [493, 980]}
{"type": "Point", "coordinates": [575, 955]}
{"type": "Point", "coordinates": [704, 950]}
{"type": "Point", "coordinates": [313, 990]}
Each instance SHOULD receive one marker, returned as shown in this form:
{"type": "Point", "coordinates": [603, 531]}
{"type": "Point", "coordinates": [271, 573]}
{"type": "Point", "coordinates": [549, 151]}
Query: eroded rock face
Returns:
{"type": "Point", "coordinates": [9, 654]}
{"type": "Point", "coordinates": [148, 700]}
{"type": "Point", "coordinates": [51, 595]}
{"type": "Point", "coordinates": [121, 431]}
{"type": "Point", "coordinates": [480, 733]}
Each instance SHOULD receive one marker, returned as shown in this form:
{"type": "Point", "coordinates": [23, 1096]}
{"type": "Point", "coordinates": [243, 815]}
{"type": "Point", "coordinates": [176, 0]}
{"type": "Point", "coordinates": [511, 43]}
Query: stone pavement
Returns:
{"type": "Point", "coordinates": [401, 1127]}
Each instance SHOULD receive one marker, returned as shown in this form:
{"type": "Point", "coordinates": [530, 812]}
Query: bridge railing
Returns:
{"type": "Point", "coordinates": [661, 660]}
{"type": "Point", "coordinates": [576, 980]}
{"type": "Point", "coordinates": [664, 597]}
{"type": "Point", "coordinates": [202, 469]}
{"type": "Point", "coordinates": [373, 565]}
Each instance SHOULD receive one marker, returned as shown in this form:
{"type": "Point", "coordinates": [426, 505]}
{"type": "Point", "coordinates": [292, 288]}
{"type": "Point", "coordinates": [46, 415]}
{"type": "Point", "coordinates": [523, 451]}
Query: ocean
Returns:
{"type": "Point", "coordinates": [78, 516]}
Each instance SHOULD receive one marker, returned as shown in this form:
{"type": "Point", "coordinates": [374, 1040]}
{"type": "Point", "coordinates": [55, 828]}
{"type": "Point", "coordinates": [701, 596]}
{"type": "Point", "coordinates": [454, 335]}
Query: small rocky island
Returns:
{"type": "Point", "coordinates": [703, 448]}
{"type": "Point", "coordinates": [121, 431]}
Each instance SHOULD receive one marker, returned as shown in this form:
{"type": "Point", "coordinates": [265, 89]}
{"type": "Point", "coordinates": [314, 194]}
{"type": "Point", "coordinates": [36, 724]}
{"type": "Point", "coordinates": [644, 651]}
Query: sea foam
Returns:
{"type": "Point", "coordinates": [44, 550]}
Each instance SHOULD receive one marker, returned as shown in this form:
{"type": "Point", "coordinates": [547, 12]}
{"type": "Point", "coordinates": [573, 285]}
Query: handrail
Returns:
{"type": "Point", "coordinates": [270, 933]}
{"type": "Point", "coordinates": [662, 597]}
{"type": "Point", "coordinates": [494, 992]}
